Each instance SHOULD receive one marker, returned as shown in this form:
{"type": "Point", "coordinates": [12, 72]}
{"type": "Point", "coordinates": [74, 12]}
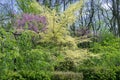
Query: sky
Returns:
{"type": "Point", "coordinates": [106, 6]}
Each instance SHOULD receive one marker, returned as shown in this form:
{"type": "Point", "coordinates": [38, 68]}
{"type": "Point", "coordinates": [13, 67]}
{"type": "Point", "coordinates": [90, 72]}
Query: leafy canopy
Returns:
{"type": "Point", "coordinates": [58, 23]}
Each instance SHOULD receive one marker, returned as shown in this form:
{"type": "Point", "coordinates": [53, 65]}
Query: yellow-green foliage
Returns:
{"type": "Point", "coordinates": [35, 6]}
{"type": "Point", "coordinates": [78, 56]}
{"type": "Point", "coordinates": [58, 23]}
{"type": "Point", "coordinates": [29, 6]}
{"type": "Point", "coordinates": [67, 76]}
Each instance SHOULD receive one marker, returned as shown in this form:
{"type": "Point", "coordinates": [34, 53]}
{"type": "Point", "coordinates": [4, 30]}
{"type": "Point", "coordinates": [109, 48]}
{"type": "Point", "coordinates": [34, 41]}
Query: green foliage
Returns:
{"type": "Point", "coordinates": [26, 75]}
{"type": "Point", "coordinates": [10, 75]}
{"type": "Point", "coordinates": [110, 59]}
{"type": "Point", "coordinates": [27, 40]}
{"type": "Point", "coordinates": [29, 6]}
{"type": "Point", "coordinates": [117, 70]}
{"type": "Point", "coordinates": [9, 50]}
{"type": "Point", "coordinates": [35, 75]}
{"type": "Point", "coordinates": [7, 41]}
{"type": "Point", "coordinates": [105, 59]}
{"type": "Point", "coordinates": [98, 74]}
{"type": "Point", "coordinates": [36, 60]}
{"type": "Point", "coordinates": [66, 76]}
{"type": "Point", "coordinates": [66, 65]}
{"type": "Point", "coordinates": [92, 61]}
{"type": "Point", "coordinates": [16, 54]}
{"type": "Point", "coordinates": [30, 55]}
{"type": "Point", "coordinates": [108, 43]}
{"type": "Point", "coordinates": [86, 44]}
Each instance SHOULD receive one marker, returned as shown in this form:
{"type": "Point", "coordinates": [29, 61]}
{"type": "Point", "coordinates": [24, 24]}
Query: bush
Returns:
{"type": "Point", "coordinates": [107, 42]}
{"type": "Point", "coordinates": [35, 75]}
{"type": "Point", "coordinates": [25, 75]}
{"type": "Point", "coordinates": [10, 75]}
{"type": "Point", "coordinates": [86, 44]}
{"type": "Point", "coordinates": [7, 41]}
{"type": "Point", "coordinates": [9, 50]}
{"type": "Point", "coordinates": [106, 45]}
{"type": "Point", "coordinates": [117, 70]}
{"type": "Point", "coordinates": [36, 59]}
{"type": "Point", "coordinates": [66, 65]}
{"type": "Point", "coordinates": [98, 74]}
{"type": "Point", "coordinates": [110, 59]}
{"type": "Point", "coordinates": [66, 76]}
{"type": "Point", "coordinates": [27, 40]}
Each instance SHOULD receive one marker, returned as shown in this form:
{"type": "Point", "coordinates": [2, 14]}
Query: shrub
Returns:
{"type": "Point", "coordinates": [33, 7]}
{"type": "Point", "coordinates": [66, 76]}
{"type": "Point", "coordinates": [86, 44]}
{"type": "Point", "coordinates": [27, 40]}
{"type": "Point", "coordinates": [10, 75]}
{"type": "Point", "coordinates": [36, 60]}
{"type": "Point", "coordinates": [35, 75]}
{"type": "Point", "coordinates": [66, 65]}
{"type": "Point", "coordinates": [117, 71]}
{"type": "Point", "coordinates": [92, 61]}
{"type": "Point", "coordinates": [106, 44]}
{"type": "Point", "coordinates": [7, 41]}
{"type": "Point", "coordinates": [105, 59]}
{"type": "Point", "coordinates": [9, 50]}
{"type": "Point", "coordinates": [98, 74]}
{"type": "Point", "coordinates": [110, 59]}
{"type": "Point", "coordinates": [105, 47]}
{"type": "Point", "coordinates": [25, 75]}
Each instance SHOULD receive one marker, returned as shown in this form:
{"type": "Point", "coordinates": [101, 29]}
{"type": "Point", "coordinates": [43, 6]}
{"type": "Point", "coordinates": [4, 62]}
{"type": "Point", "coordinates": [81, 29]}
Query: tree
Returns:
{"type": "Point", "coordinates": [7, 15]}
{"type": "Point", "coordinates": [58, 22]}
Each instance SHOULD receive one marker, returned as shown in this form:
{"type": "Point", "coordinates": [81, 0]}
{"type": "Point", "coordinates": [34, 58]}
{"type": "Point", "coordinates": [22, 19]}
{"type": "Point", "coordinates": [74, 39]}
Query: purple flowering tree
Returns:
{"type": "Point", "coordinates": [32, 22]}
